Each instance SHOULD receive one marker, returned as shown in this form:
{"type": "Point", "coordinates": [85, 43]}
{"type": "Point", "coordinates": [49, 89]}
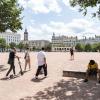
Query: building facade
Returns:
{"type": "Point", "coordinates": [11, 37]}
{"type": "Point", "coordinates": [37, 44]}
{"type": "Point", "coordinates": [90, 40]}
{"type": "Point", "coordinates": [63, 43]}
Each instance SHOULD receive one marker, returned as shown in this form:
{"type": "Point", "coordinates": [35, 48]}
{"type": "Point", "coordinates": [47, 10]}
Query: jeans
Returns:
{"type": "Point", "coordinates": [39, 69]}
{"type": "Point", "coordinates": [12, 67]}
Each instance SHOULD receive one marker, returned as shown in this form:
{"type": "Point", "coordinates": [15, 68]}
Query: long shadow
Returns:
{"type": "Point", "coordinates": [6, 79]}
{"type": "Point", "coordinates": [73, 89]}
{"type": "Point", "coordinates": [37, 80]}
{"type": "Point", "coordinates": [2, 68]}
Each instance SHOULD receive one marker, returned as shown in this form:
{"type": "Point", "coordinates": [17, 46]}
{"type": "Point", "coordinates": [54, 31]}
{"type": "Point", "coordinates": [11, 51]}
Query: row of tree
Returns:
{"type": "Point", "coordinates": [88, 47]}
{"type": "Point", "coordinates": [5, 47]}
{"type": "Point", "coordinates": [20, 46]}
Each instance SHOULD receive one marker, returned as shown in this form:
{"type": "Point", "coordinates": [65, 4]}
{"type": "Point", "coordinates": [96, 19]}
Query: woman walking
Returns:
{"type": "Point", "coordinates": [27, 59]}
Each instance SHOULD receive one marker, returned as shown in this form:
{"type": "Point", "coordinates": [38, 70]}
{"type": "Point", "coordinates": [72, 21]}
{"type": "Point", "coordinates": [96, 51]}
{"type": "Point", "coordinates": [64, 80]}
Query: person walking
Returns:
{"type": "Point", "coordinates": [41, 57]}
{"type": "Point", "coordinates": [71, 54]}
{"type": "Point", "coordinates": [11, 61]}
{"type": "Point", "coordinates": [27, 59]}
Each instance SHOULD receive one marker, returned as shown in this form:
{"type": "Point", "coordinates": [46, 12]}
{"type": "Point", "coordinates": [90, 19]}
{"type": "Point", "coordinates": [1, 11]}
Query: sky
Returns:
{"type": "Point", "coordinates": [43, 17]}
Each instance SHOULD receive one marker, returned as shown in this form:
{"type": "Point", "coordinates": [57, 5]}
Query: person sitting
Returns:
{"type": "Point", "coordinates": [92, 70]}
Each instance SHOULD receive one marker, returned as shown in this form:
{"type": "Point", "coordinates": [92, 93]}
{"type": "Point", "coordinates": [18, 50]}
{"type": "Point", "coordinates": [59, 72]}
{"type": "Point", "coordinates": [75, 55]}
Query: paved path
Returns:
{"type": "Point", "coordinates": [54, 87]}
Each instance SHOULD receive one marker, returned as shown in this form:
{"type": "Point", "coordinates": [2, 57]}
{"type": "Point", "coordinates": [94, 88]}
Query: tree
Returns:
{"type": "Point", "coordinates": [7, 47]}
{"type": "Point", "coordinates": [10, 15]}
{"type": "Point", "coordinates": [79, 47]}
{"type": "Point", "coordinates": [85, 4]}
{"type": "Point", "coordinates": [20, 46]}
{"type": "Point", "coordinates": [88, 47]}
{"type": "Point", "coordinates": [2, 44]}
{"type": "Point", "coordinates": [12, 45]}
{"type": "Point", "coordinates": [96, 47]}
{"type": "Point", "coordinates": [26, 46]}
{"type": "Point", "coordinates": [34, 48]}
{"type": "Point", "coordinates": [48, 47]}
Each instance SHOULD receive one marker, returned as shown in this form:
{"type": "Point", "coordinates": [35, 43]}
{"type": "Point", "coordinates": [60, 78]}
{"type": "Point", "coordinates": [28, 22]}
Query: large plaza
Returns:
{"type": "Point", "coordinates": [55, 86]}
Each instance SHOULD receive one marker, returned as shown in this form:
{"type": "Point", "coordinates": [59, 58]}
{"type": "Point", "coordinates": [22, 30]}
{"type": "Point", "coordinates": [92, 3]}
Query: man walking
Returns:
{"type": "Point", "coordinates": [11, 61]}
{"type": "Point", "coordinates": [41, 57]}
{"type": "Point", "coordinates": [71, 54]}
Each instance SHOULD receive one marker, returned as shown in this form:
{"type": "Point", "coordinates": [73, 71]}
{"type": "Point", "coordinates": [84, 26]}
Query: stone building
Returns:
{"type": "Point", "coordinates": [11, 37]}
{"type": "Point", "coordinates": [63, 43]}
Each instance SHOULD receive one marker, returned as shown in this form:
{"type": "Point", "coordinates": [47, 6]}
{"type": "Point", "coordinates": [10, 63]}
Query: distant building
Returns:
{"type": "Point", "coordinates": [25, 35]}
{"type": "Point", "coordinates": [38, 44]}
{"type": "Point", "coordinates": [90, 40]}
{"type": "Point", "coordinates": [11, 37]}
{"type": "Point", "coordinates": [63, 43]}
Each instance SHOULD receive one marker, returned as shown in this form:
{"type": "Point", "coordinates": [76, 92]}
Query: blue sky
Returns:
{"type": "Point", "coordinates": [43, 17]}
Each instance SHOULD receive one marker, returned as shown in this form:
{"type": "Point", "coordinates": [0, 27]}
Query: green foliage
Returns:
{"type": "Point", "coordinates": [96, 47]}
{"type": "Point", "coordinates": [79, 47]}
{"type": "Point", "coordinates": [12, 45]}
{"type": "Point", "coordinates": [10, 15]}
{"type": "Point", "coordinates": [2, 43]}
{"type": "Point", "coordinates": [85, 4]}
{"type": "Point", "coordinates": [7, 47]}
{"type": "Point", "coordinates": [88, 47]}
{"type": "Point", "coordinates": [20, 46]}
{"type": "Point", "coordinates": [26, 46]}
{"type": "Point", "coordinates": [34, 48]}
{"type": "Point", "coordinates": [48, 47]}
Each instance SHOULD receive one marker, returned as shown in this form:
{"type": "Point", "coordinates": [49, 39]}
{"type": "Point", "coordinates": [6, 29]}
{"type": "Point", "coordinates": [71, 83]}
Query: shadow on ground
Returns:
{"type": "Point", "coordinates": [73, 89]}
{"type": "Point", "coordinates": [2, 68]}
{"type": "Point", "coordinates": [38, 80]}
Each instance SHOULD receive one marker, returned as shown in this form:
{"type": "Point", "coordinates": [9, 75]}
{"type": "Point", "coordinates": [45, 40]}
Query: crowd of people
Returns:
{"type": "Point", "coordinates": [41, 57]}
{"type": "Point", "coordinates": [92, 68]}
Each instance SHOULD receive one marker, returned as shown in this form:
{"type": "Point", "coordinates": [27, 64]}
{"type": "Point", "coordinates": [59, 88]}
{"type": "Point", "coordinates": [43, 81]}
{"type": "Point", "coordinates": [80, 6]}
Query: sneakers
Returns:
{"type": "Point", "coordinates": [85, 80]}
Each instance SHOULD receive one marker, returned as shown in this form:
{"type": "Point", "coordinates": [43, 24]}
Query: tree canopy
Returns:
{"type": "Point", "coordinates": [12, 45]}
{"type": "Point", "coordinates": [2, 43]}
{"type": "Point", "coordinates": [85, 4]}
{"type": "Point", "coordinates": [10, 15]}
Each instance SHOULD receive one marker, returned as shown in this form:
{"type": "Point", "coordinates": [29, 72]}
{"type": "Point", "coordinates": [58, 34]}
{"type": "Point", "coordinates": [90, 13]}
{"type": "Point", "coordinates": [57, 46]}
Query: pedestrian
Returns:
{"type": "Point", "coordinates": [41, 57]}
{"type": "Point", "coordinates": [11, 59]}
{"type": "Point", "coordinates": [27, 59]}
{"type": "Point", "coordinates": [92, 70]}
{"type": "Point", "coordinates": [71, 54]}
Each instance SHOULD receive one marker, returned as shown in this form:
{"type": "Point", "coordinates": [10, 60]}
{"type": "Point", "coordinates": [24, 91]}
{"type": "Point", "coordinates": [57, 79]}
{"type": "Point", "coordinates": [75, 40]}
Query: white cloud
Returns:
{"type": "Point", "coordinates": [77, 27]}
{"type": "Point", "coordinates": [23, 3]}
{"type": "Point", "coordinates": [41, 6]}
{"type": "Point", "coordinates": [80, 24]}
{"type": "Point", "coordinates": [67, 3]}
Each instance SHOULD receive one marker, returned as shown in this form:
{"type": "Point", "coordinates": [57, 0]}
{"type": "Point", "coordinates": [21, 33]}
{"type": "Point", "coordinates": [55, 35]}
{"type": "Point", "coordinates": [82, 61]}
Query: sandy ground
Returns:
{"type": "Point", "coordinates": [54, 87]}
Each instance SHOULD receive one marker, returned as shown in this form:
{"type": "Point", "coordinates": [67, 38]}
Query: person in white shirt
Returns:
{"type": "Point", "coordinates": [27, 59]}
{"type": "Point", "coordinates": [41, 57]}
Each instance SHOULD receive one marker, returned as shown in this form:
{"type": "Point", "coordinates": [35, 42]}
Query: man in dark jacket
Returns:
{"type": "Point", "coordinates": [11, 61]}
